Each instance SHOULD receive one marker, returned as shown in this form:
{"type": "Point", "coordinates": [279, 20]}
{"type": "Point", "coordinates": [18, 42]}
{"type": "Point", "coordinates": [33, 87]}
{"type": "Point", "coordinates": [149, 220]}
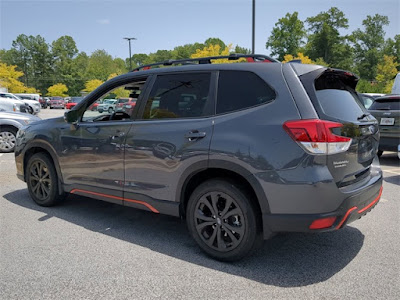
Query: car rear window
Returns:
{"type": "Point", "coordinates": [239, 90]}
{"type": "Point", "coordinates": [387, 104]}
{"type": "Point", "coordinates": [337, 99]}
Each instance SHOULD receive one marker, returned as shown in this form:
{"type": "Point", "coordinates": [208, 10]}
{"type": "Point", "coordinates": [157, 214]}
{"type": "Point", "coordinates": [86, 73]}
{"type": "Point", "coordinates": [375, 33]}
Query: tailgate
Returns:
{"type": "Point", "coordinates": [335, 99]}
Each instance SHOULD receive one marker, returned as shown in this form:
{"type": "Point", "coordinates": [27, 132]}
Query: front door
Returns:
{"type": "Point", "coordinates": [172, 134]}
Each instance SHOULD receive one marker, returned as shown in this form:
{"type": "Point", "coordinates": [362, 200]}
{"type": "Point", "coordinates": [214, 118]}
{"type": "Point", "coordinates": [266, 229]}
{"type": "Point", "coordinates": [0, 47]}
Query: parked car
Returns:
{"type": "Point", "coordinates": [366, 100]}
{"type": "Point", "coordinates": [126, 105]}
{"type": "Point", "coordinates": [241, 151]}
{"type": "Point", "coordinates": [107, 105]}
{"type": "Point", "coordinates": [57, 102]}
{"type": "Point", "coordinates": [43, 102]}
{"type": "Point", "coordinates": [32, 106]}
{"type": "Point", "coordinates": [12, 105]}
{"type": "Point", "coordinates": [7, 105]}
{"type": "Point", "coordinates": [28, 96]}
{"type": "Point", "coordinates": [10, 123]}
{"type": "Point", "coordinates": [387, 111]}
{"type": "Point", "coordinates": [73, 101]}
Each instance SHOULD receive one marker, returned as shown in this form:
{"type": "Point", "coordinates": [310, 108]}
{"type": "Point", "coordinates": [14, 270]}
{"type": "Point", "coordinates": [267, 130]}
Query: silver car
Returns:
{"type": "Point", "coordinates": [10, 123]}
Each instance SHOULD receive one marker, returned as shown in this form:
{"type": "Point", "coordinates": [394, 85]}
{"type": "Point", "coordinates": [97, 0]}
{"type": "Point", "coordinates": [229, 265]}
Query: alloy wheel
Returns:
{"type": "Point", "coordinates": [39, 180]}
{"type": "Point", "coordinates": [219, 221]}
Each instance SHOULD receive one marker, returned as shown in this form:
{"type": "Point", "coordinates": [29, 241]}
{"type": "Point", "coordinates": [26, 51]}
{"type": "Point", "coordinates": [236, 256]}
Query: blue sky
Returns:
{"type": "Point", "coordinates": [164, 24]}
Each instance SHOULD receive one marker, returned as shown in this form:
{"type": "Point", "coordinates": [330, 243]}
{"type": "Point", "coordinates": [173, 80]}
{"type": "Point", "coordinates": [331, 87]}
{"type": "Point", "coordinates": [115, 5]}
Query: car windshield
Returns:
{"type": "Point", "coordinates": [57, 98]}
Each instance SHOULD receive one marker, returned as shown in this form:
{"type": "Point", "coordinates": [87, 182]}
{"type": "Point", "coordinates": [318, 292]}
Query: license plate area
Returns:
{"type": "Point", "coordinates": [387, 121]}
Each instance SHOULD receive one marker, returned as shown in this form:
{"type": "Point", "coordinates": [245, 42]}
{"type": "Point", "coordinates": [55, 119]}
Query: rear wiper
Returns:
{"type": "Point", "coordinates": [363, 116]}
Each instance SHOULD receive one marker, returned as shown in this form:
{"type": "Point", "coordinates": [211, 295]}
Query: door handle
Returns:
{"type": "Point", "coordinates": [118, 135]}
{"type": "Point", "coordinates": [195, 135]}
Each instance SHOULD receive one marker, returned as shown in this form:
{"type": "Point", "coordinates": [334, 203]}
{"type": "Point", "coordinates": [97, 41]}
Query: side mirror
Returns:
{"type": "Point", "coordinates": [71, 117]}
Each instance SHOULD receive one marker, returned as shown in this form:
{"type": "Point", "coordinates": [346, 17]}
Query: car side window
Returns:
{"type": "Point", "coordinates": [109, 107]}
{"type": "Point", "coordinates": [178, 96]}
{"type": "Point", "coordinates": [241, 89]}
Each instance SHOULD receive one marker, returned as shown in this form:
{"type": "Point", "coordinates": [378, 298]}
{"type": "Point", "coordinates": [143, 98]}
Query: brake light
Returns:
{"type": "Point", "coordinates": [316, 137]}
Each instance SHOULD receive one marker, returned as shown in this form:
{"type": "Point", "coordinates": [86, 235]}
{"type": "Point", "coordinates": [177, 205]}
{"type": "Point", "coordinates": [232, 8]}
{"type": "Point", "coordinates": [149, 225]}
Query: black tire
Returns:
{"type": "Point", "coordinates": [42, 180]}
{"type": "Point", "coordinates": [379, 153]}
{"type": "Point", "coordinates": [230, 233]}
{"type": "Point", "coordinates": [110, 110]}
{"type": "Point", "coordinates": [7, 138]}
{"type": "Point", "coordinates": [30, 110]}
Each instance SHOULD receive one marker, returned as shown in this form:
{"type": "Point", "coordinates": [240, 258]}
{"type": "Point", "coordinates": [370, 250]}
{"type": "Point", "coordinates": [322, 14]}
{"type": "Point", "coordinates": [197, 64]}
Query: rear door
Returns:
{"type": "Point", "coordinates": [335, 99]}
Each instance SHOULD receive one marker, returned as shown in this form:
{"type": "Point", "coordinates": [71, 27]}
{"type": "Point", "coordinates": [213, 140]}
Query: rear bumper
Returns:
{"type": "Point", "coordinates": [389, 143]}
{"type": "Point", "coordinates": [352, 208]}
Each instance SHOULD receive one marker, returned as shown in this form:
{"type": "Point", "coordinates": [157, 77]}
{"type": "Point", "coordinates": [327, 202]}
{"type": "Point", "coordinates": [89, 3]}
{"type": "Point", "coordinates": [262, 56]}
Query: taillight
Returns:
{"type": "Point", "coordinates": [316, 137]}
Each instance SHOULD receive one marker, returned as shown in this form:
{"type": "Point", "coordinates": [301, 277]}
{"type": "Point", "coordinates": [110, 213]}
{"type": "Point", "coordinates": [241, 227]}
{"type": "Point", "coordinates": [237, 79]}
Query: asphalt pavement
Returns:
{"type": "Point", "coordinates": [88, 249]}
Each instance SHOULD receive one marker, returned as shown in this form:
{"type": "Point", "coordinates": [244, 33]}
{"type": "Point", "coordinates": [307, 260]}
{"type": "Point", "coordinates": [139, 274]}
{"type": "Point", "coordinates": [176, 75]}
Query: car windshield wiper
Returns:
{"type": "Point", "coordinates": [363, 116]}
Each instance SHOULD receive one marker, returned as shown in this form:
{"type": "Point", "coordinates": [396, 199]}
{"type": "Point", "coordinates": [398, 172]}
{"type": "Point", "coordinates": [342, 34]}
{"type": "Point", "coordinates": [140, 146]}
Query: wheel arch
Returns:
{"type": "Point", "coordinates": [44, 147]}
{"type": "Point", "coordinates": [199, 173]}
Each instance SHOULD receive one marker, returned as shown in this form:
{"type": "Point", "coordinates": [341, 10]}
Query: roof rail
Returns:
{"type": "Point", "coordinates": [207, 60]}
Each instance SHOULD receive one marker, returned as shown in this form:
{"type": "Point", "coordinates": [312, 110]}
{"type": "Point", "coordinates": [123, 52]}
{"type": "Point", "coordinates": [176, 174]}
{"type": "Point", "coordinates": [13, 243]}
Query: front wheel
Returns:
{"type": "Point", "coordinates": [223, 221]}
{"type": "Point", "coordinates": [30, 110]}
{"type": "Point", "coordinates": [42, 181]}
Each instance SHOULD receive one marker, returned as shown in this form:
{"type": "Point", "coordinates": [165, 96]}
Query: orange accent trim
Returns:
{"type": "Point", "coordinates": [373, 202]}
{"type": "Point", "coordinates": [117, 198]}
{"type": "Point", "coordinates": [346, 216]}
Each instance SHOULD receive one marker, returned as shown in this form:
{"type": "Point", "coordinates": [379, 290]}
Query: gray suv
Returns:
{"type": "Point", "coordinates": [242, 151]}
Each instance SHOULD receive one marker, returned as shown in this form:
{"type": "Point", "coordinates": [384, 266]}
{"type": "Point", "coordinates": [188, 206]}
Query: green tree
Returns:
{"type": "Point", "coordinates": [215, 41]}
{"type": "Point", "coordinates": [325, 41]}
{"type": "Point", "coordinates": [369, 44]}
{"type": "Point", "coordinates": [64, 51]}
{"type": "Point", "coordinates": [32, 56]}
{"type": "Point", "coordinates": [186, 51]}
{"type": "Point", "coordinates": [58, 89]}
{"type": "Point", "coordinates": [100, 65]}
{"type": "Point", "coordinates": [242, 50]}
{"type": "Point", "coordinates": [287, 37]}
{"type": "Point", "coordinates": [391, 48]}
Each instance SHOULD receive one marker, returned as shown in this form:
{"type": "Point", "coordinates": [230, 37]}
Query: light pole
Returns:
{"type": "Point", "coordinates": [130, 55]}
{"type": "Point", "coordinates": [254, 26]}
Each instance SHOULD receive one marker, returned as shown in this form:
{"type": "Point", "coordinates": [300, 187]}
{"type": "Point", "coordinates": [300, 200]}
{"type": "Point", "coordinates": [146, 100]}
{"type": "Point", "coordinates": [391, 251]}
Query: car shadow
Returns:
{"type": "Point", "coordinates": [287, 260]}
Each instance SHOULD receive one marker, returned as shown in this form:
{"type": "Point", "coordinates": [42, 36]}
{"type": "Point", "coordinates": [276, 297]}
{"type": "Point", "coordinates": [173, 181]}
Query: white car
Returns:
{"type": "Point", "coordinates": [33, 105]}
{"type": "Point", "coordinates": [107, 105]}
{"type": "Point", "coordinates": [8, 105]}
{"type": "Point", "coordinates": [12, 105]}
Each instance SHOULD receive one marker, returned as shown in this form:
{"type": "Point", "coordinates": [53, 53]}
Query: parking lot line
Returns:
{"type": "Point", "coordinates": [391, 171]}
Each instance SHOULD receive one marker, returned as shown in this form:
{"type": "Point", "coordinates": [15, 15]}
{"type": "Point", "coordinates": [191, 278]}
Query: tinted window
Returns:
{"type": "Point", "coordinates": [178, 96]}
{"type": "Point", "coordinates": [392, 104]}
{"type": "Point", "coordinates": [337, 99]}
{"type": "Point", "coordinates": [238, 90]}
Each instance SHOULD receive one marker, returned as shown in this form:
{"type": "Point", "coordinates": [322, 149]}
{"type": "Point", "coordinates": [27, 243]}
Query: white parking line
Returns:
{"type": "Point", "coordinates": [391, 171]}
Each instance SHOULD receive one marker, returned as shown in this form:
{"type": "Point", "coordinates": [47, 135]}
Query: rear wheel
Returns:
{"type": "Point", "coordinates": [110, 110]}
{"type": "Point", "coordinates": [42, 180]}
{"type": "Point", "coordinates": [7, 138]}
{"type": "Point", "coordinates": [222, 220]}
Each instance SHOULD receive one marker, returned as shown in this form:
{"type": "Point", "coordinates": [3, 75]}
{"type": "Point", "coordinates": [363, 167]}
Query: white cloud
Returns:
{"type": "Point", "coordinates": [104, 21]}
